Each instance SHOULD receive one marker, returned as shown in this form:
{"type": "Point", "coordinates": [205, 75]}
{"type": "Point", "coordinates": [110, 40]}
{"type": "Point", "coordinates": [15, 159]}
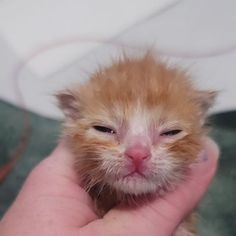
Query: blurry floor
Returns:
{"type": "Point", "coordinates": [218, 210]}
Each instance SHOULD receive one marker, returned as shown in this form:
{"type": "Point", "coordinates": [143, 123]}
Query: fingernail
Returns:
{"type": "Point", "coordinates": [202, 156]}
{"type": "Point", "coordinates": [202, 162]}
{"type": "Point", "coordinates": [206, 161]}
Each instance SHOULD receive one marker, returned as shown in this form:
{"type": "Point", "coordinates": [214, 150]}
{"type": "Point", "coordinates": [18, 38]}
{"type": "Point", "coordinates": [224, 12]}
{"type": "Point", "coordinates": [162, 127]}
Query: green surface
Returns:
{"type": "Point", "coordinates": [217, 211]}
{"type": "Point", "coordinates": [43, 138]}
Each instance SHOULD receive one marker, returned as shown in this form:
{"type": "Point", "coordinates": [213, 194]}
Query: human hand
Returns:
{"type": "Point", "coordinates": [51, 202]}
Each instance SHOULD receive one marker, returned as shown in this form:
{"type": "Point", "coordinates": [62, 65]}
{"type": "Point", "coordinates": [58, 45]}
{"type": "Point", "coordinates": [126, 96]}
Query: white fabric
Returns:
{"type": "Point", "coordinates": [47, 45]}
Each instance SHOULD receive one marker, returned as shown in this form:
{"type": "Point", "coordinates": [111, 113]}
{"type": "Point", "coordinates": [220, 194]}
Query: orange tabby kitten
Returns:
{"type": "Point", "coordinates": [134, 128]}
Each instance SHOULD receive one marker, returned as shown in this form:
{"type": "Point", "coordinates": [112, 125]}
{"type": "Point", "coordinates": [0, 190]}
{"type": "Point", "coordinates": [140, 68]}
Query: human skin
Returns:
{"type": "Point", "coordinates": [51, 202]}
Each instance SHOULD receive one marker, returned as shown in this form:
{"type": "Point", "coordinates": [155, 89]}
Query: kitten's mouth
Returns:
{"type": "Point", "coordinates": [134, 183]}
{"type": "Point", "coordinates": [135, 174]}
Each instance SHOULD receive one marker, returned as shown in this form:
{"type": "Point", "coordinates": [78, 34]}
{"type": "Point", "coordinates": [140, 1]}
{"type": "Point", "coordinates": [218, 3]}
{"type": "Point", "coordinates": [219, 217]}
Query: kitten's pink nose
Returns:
{"type": "Point", "coordinates": [138, 153]}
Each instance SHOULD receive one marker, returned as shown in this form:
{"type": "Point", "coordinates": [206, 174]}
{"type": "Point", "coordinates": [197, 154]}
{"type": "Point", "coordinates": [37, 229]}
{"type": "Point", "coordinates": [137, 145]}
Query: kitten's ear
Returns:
{"type": "Point", "coordinates": [68, 103]}
{"type": "Point", "coordinates": [205, 99]}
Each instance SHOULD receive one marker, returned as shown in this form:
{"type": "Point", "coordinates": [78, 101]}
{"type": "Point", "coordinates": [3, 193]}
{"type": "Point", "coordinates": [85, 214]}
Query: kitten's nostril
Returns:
{"type": "Point", "coordinates": [137, 157]}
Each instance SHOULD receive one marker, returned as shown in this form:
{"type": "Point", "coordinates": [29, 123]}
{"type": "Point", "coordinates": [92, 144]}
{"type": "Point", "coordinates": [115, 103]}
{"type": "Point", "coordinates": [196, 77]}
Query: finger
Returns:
{"type": "Point", "coordinates": [50, 199]}
{"type": "Point", "coordinates": [162, 215]}
{"type": "Point", "coordinates": [55, 174]}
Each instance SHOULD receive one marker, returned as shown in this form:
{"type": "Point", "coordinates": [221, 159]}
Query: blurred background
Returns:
{"type": "Point", "coordinates": [47, 45]}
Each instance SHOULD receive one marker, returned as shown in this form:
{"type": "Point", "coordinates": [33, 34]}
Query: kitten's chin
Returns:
{"type": "Point", "coordinates": [135, 185]}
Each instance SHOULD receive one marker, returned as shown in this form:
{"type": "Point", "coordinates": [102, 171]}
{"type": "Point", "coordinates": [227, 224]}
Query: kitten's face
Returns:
{"type": "Point", "coordinates": [135, 126]}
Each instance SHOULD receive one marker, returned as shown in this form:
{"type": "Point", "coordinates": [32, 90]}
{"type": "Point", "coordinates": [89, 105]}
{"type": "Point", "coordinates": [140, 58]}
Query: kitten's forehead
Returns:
{"type": "Point", "coordinates": [139, 92]}
{"type": "Point", "coordinates": [138, 121]}
{"type": "Point", "coordinates": [135, 118]}
{"type": "Point", "coordinates": [144, 121]}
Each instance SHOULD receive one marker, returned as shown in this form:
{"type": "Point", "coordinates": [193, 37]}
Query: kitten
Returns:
{"type": "Point", "coordinates": [134, 128]}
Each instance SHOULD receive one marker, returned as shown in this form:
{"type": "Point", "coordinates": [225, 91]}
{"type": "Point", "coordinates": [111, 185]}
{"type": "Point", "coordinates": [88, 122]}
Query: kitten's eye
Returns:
{"type": "Point", "coordinates": [104, 129]}
{"type": "Point", "coordinates": [171, 132]}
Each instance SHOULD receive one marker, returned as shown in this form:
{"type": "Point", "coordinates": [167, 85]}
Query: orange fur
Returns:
{"type": "Point", "coordinates": [160, 95]}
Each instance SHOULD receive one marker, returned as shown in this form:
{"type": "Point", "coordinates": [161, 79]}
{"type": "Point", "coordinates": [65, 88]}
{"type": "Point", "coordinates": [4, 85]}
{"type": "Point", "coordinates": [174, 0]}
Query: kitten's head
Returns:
{"type": "Point", "coordinates": [135, 126]}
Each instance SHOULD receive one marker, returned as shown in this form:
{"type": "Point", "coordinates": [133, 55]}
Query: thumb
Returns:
{"type": "Point", "coordinates": [162, 215]}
